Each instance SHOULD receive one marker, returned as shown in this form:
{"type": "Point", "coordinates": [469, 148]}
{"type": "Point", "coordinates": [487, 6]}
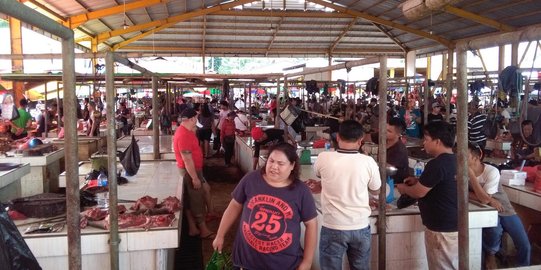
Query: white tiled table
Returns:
{"type": "Point", "coordinates": [146, 146]}
{"type": "Point", "coordinates": [524, 195]}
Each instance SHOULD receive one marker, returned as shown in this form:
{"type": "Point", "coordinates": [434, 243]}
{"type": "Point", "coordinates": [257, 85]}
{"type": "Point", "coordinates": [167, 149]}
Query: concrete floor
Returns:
{"type": "Point", "coordinates": [195, 252]}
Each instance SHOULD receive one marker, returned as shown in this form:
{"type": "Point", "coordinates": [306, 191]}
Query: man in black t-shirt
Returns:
{"type": "Point", "coordinates": [435, 115]}
{"type": "Point", "coordinates": [437, 194]}
{"type": "Point", "coordinates": [267, 137]}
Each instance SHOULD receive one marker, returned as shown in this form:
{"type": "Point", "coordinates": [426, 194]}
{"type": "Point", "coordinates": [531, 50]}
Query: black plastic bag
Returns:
{"type": "Point", "coordinates": [131, 158]}
{"type": "Point", "coordinates": [14, 253]}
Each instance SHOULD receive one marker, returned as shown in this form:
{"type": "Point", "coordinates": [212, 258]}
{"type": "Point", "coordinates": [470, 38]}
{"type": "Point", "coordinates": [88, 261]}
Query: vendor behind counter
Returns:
{"type": "Point", "coordinates": [267, 137]}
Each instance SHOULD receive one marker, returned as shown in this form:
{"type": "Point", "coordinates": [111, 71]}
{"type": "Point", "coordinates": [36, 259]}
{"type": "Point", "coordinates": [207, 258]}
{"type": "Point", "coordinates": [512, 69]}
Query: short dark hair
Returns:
{"type": "Point", "coordinates": [350, 131]}
{"type": "Point", "coordinates": [23, 102]}
{"type": "Point", "coordinates": [398, 123]}
{"type": "Point", "coordinates": [442, 131]}
{"type": "Point", "coordinates": [476, 150]}
{"type": "Point", "coordinates": [291, 153]}
{"type": "Point", "coordinates": [526, 122]}
{"type": "Point", "coordinates": [224, 103]}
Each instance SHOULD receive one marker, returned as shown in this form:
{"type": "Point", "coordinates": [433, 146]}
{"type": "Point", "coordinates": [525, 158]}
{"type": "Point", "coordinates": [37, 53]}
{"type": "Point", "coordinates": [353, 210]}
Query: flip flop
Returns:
{"type": "Point", "coordinates": [210, 236]}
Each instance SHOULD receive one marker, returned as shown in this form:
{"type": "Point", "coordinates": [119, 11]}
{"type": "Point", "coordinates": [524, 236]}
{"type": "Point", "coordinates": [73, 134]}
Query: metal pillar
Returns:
{"type": "Point", "coordinates": [155, 118]}
{"type": "Point", "coordinates": [110, 93]}
{"type": "Point", "coordinates": [449, 83]}
{"type": "Point", "coordinates": [462, 151]}
{"type": "Point", "coordinates": [382, 162]}
{"type": "Point", "coordinates": [71, 150]}
{"type": "Point", "coordinates": [426, 100]}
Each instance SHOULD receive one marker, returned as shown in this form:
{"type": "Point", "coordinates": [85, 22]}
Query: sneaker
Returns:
{"type": "Point", "coordinates": [405, 201]}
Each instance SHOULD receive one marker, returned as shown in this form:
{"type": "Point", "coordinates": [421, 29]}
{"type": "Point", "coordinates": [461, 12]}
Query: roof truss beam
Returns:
{"type": "Point", "coordinates": [77, 20]}
{"type": "Point", "coordinates": [344, 32]}
{"type": "Point", "coordinates": [264, 50]}
{"type": "Point", "coordinates": [387, 23]}
{"type": "Point", "coordinates": [393, 38]}
{"type": "Point", "coordinates": [477, 18]}
{"type": "Point", "coordinates": [274, 35]}
{"type": "Point", "coordinates": [165, 23]}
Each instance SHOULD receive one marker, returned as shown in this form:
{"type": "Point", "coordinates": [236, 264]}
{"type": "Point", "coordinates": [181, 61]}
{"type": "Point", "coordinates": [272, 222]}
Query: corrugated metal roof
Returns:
{"type": "Point", "coordinates": [290, 25]}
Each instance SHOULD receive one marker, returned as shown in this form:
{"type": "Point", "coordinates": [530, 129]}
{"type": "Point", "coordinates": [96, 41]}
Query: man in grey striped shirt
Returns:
{"type": "Point", "coordinates": [476, 126]}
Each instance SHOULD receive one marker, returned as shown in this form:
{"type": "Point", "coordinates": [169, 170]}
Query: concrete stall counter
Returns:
{"type": "Point", "coordinates": [43, 176]}
{"type": "Point", "coordinates": [10, 182]}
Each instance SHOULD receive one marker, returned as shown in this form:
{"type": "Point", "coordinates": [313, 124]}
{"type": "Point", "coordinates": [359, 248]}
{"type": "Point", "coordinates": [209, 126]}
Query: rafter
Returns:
{"type": "Point", "coordinates": [46, 9]}
{"type": "Point", "coordinates": [477, 18]}
{"type": "Point", "coordinates": [204, 34]}
{"type": "Point", "coordinates": [344, 32]}
{"type": "Point", "coordinates": [75, 21]}
{"type": "Point", "coordinates": [393, 38]}
{"type": "Point", "coordinates": [264, 50]}
{"type": "Point", "coordinates": [274, 35]}
{"type": "Point", "coordinates": [163, 24]}
{"type": "Point", "coordinates": [283, 13]}
{"type": "Point", "coordinates": [375, 19]}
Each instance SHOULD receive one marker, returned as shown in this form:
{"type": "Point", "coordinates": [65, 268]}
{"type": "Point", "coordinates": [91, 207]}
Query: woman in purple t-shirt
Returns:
{"type": "Point", "coordinates": [272, 203]}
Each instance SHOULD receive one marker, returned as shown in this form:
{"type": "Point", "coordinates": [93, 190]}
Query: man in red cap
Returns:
{"type": "Point", "coordinates": [268, 137]}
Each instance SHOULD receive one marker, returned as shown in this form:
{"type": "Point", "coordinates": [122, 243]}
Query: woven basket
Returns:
{"type": "Point", "coordinates": [41, 205]}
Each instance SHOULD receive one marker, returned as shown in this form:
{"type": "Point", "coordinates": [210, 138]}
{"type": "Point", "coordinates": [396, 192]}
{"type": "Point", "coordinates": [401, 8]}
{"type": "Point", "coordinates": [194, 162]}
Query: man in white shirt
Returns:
{"type": "Point", "coordinates": [347, 177]}
{"type": "Point", "coordinates": [241, 121]}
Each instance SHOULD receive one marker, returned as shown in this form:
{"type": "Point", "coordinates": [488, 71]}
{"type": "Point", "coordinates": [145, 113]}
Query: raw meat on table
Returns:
{"type": "Point", "coordinates": [144, 203]}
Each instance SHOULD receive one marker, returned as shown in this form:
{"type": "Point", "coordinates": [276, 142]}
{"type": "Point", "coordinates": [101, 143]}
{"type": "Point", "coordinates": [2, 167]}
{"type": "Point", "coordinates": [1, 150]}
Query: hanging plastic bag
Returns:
{"type": "Point", "coordinates": [14, 253]}
{"type": "Point", "coordinates": [219, 261]}
{"type": "Point", "coordinates": [131, 158]}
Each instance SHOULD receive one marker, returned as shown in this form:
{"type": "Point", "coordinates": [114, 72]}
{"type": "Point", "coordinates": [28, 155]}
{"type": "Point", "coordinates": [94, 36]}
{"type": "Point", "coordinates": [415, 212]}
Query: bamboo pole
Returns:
{"type": "Point", "coordinates": [382, 158]}
{"type": "Point", "coordinates": [46, 114]}
{"type": "Point", "coordinates": [462, 162]}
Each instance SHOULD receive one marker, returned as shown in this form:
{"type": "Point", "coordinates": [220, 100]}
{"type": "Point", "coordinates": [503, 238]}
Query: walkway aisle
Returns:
{"type": "Point", "coordinates": [194, 252]}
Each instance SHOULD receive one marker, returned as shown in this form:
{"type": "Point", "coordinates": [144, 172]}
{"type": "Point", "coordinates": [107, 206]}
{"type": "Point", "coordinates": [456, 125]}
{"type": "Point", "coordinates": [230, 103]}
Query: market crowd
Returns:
{"type": "Point", "coordinates": [271, 203]}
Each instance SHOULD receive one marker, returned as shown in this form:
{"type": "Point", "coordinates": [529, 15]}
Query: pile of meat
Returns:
{"type": "Point", "coordinates": [146, 213]}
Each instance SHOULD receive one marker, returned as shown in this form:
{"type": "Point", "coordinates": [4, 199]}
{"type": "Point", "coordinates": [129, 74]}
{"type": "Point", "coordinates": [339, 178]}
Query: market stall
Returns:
{"type": "Point", "coordinates": [43, 176]}
{"type": "Point", "coordinates": [139, 248]}
{"type": "Point", "coordinates": [146, 146]}
{"type": "Point", "coordinates": [86, 146]}
{"type": "Point", "coordinates": [10, 180]}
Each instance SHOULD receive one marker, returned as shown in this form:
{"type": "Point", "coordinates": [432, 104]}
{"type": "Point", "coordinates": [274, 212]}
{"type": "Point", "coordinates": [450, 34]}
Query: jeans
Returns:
{"type": "Point", "coordinates": [334, 243]}
{"type": "Point", "coordinates": [492, 238]}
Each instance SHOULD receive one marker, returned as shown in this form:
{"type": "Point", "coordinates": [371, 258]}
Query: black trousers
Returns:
{"type": "Point", "coordinates": [229, 147]}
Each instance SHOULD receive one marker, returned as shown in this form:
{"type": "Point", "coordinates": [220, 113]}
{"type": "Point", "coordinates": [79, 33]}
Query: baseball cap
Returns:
{"type": "Point", "coordinates": [257, 133]}
{"type": "Point", "coordinates": [188, 113]}
{"type": "Point", "coordinates": [436, 104]}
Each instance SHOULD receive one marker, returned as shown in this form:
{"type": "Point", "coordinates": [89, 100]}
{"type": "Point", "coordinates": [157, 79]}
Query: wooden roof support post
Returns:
{"type": "Point", "coordinates": [277, 116]}
{"type": "Point", "coordinates": [155, 118]}
{"type": "Point", "coordinates": [17, 66]}
{"type": "Point", "coordinates": [110, 94]}
{"type": "Point", "coordinates": [514, 54]}
{"type": "Point", "coordinates": [382, 162]}
{"type": "Point", "coordinates": [449, 83]}
{"type": "Point", "coordinates": [462, 160]}
{"type": "Point", "coordinates": [501, 58]}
